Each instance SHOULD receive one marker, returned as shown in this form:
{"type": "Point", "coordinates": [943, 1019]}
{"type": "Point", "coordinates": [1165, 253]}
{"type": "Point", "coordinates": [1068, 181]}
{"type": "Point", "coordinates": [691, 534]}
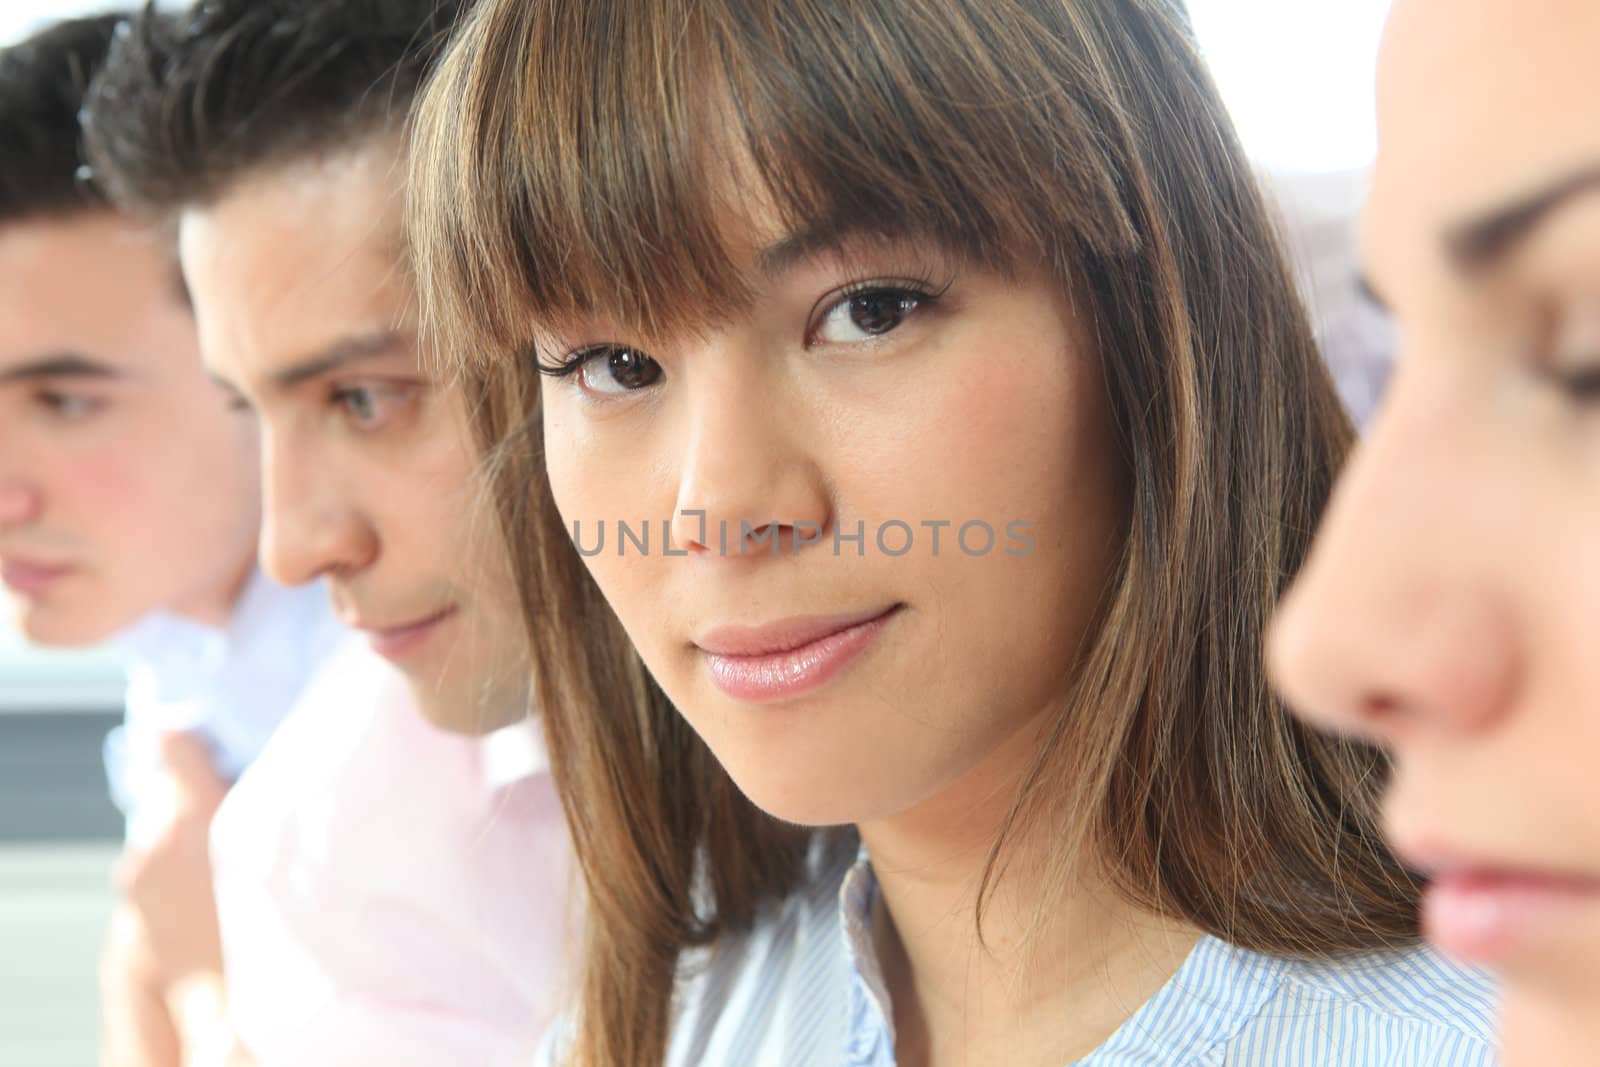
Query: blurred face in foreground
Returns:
{"type": "Point", "coordinates": [1452, 607]}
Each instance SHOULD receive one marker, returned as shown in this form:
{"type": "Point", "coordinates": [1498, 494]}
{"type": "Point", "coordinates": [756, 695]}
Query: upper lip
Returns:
{"type": "Point", "coordinates": [389, 628]}
{"type": "Point", "coordinates": [785, 635]}
{"type": "Point", "coordinates": [1444, 862]}
{"type": "Point", "coordinates": [23, 563]}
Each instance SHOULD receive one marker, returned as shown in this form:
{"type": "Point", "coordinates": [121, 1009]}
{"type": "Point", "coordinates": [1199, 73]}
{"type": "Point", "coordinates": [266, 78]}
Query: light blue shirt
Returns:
{"type": "Point", "coordinates": [233, 686]}
{"type": "Point", "coordinates": [804, 989]}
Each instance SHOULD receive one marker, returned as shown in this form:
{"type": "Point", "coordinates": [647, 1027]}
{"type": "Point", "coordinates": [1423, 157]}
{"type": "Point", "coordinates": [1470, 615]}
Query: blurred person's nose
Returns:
{"type": "Point", "coordinates": [1395, 629]}
{"type": "Point", "coordinates": [20, 502]}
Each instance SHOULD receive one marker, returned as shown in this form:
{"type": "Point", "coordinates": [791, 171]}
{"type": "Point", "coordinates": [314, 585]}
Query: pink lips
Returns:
{"type": "Point", "coordinates": [787, 659]}
{"type": "Point", "coordinates": [1486, 916]}
{"type": "Point", "coordinates": [400, 642]}
{"type": "Point", "coordinates": [30, 579]}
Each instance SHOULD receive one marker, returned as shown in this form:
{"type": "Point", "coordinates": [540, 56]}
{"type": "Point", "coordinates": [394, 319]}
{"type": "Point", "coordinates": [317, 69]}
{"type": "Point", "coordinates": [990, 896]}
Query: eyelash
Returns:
{"type": "Point", "coordinates": [922, 291]}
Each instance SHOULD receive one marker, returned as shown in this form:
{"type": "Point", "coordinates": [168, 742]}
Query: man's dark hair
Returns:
{"type": "Point", "coordinates": [188, 102]}
{"type": "Point", "coordinates": [42, 85]}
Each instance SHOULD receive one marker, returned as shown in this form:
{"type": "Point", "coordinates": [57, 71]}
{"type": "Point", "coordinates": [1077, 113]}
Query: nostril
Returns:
{"type": "Point", "coordinates": [1382, 705]}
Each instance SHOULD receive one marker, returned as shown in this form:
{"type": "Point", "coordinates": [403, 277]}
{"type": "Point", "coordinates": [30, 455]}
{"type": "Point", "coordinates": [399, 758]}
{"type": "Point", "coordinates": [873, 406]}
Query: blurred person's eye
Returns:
{"type": "Point", "coordinates": [1581, 384]}
{"type": "Point", "coordinates": [69, 407]}
{"type": "Point", "coordinates": [1572, 360]}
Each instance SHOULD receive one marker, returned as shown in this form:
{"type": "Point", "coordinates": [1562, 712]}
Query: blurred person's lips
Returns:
{"type": "Point", "coordinates": [398, 641]}
{"type": "Point", "coordinates": [27, 577]}
{"type": "Point", "coordinates": [785, 659]}
{"type": "Point", "coordinates": [1491, 911]}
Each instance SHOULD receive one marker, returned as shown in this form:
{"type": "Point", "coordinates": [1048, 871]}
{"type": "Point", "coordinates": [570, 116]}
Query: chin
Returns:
{"type": "Point", "coordinates": [815, 801]}
{"type": "Point", "coordinates": [57, 628]}
{"type": "Point", "coordinates": [468, 710]}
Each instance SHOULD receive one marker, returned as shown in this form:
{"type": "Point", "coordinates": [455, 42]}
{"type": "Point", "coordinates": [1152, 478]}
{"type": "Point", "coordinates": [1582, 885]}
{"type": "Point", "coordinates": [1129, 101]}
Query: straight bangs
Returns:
{"type": "Point", "coordinates": [610, 158]}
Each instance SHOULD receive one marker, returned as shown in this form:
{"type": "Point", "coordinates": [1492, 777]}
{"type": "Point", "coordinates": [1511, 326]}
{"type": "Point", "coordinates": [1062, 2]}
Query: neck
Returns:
{"type": "Point", "coordinates": [1053, 974]}
{"type": "Point", "coordinates": [1540, 1030]}
{"type": "Point", "coordinates": [215, 605]}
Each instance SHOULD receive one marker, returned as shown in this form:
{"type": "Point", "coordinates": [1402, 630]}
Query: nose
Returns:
{"type": "Point", "coordinates": [1395, 629]}
{"type": "Point", "coordinates": [311, 527]}
{"type": "Point", "coordinates": [748, 483]}
{"type": "Point", "coordinates": [19, 502]}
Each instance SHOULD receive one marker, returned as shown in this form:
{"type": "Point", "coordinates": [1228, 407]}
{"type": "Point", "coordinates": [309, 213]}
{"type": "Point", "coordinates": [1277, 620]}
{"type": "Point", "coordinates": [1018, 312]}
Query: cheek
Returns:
{"type": "Point", "coordinates": [602, 473]}
{"type": "Point", "coordinates": [564, 457]}
{"type": "Point", "coordinates": [1568, 700]}
{"type": "Point", "coordinates": [1016, 432]}
{"type": "Point", "coordinates": [111, 489]}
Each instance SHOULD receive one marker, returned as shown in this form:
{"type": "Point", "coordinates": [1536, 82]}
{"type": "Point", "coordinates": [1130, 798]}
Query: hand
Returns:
{"type": "Point", "coordinates": [137, 1029]}
{"type": "Point", "coordinates": [168, 883]}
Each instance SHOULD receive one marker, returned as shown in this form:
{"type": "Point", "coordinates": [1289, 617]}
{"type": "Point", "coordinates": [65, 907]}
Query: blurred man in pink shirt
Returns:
{"type": "Point", "coordinates": [387, 892]}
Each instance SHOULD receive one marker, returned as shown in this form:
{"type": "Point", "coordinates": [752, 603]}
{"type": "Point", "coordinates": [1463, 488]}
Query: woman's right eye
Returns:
{"type": "Point", "coordinates": [613, 370]}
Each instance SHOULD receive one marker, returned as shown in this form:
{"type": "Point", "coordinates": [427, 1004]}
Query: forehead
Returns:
{"type": "Point", "coordinates": [1479, 102]}
{"type": "Point", "coordinates": [98, 285]}
{"type": "Point", "coordinates": [292, 253]}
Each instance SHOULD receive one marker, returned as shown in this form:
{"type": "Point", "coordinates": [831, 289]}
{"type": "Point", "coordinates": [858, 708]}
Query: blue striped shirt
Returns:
{"type": "Point", "coordinates": [803, 989]}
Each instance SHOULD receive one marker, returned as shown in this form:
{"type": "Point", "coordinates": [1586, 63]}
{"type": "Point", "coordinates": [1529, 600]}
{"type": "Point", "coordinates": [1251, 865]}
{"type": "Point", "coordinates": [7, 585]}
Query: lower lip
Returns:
{"type": "Point", "coordinates": [27, 580]}
{"type": "Point", "coordinates": [784, 675]}
{"type": "Point", "coordinates": [1489, 918]}
{"type": "Point", "coordinates": [406, 641]}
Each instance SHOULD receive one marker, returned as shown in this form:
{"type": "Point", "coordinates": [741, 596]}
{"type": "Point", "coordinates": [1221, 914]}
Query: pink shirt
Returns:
{"type": "Point", "coordinates": [390, 893]}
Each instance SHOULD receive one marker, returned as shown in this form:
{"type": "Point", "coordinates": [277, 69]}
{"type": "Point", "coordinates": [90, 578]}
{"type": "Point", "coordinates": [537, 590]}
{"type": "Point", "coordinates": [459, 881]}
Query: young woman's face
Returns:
{"type": "Point", "coordinates": [1452, 605]}
{"type": "Point", "coordinates": [893, 505]}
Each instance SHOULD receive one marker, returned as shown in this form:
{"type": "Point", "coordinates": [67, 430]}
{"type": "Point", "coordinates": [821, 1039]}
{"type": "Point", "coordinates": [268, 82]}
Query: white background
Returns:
{"type": "Point", "coordinates": [1296, 73]}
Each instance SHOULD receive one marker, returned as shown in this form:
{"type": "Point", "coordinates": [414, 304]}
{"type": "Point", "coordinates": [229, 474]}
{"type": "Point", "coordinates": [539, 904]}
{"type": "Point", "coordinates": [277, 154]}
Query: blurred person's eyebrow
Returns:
{"type": "Point", "coordinates": [1481, 243]}
{"type": "Point", "coordinates": [340, 354]}
{"type": "Point", "coordinates": [64, 365]}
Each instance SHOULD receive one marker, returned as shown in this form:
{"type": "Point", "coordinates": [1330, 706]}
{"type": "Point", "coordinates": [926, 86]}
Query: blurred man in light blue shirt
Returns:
{"type": "Point", "coordinates": [129, 497]}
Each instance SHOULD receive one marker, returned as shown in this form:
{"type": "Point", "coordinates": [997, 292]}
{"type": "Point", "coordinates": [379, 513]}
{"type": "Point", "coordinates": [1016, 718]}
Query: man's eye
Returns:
{"type": "Point", "coordinates": [369, 407]}
{"type": "Point", "coordinates": [69, 406]}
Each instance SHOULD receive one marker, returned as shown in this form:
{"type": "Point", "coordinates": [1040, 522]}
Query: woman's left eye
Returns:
{"type": "Point", "coordinates": [868, 313]}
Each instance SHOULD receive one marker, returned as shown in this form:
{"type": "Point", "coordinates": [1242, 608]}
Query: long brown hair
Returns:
{"type": "Point", "coordinates": [569, 159]}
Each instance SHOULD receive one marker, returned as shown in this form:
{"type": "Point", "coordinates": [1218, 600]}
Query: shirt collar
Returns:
{"type": "Point", "coordinates": [1235, 981]}
{"type": "Point", "coordinates": [871, 1016]}
{"type": "Point", "coordinates": [268, 621]}
{"type": "Point", "coordinates": [514, 753]}
{"type": "Point", "coordinates": [172, 647]}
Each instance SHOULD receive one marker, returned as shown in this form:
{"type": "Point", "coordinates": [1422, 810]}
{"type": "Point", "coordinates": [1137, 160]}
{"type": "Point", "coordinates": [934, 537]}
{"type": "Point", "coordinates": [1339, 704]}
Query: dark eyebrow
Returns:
{"type": "Point", "coordinates": [62, 365]}
{"type": "Point", "coordinates": [824, 238]}
{"type": "Point", "coordinates": [340, 354]}
{"type": "Point", "coordinates": [1480, 243]}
